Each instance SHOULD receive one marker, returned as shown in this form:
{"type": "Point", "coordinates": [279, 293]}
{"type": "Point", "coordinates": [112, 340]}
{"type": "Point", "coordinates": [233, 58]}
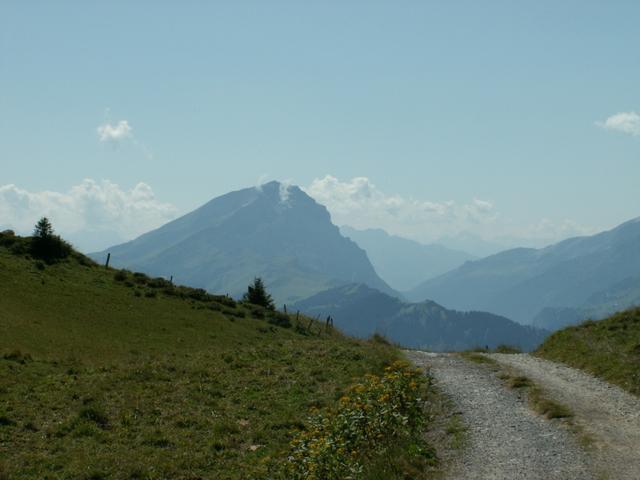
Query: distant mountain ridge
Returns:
{"type": "Point", "coordinates": [361, 311]}
{"type": "Point", "coordinates": [615, 298]}
{"type": "Point", "coordinates": [599, 273]}
{"type": "Point", "coordinates": [405, 263]}
{"type": "Point", "coordinates": [274, 231]}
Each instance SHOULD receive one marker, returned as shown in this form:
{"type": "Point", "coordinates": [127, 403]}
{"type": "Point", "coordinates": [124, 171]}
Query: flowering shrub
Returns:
{"type": "Point", "coordinates": [367, 422]}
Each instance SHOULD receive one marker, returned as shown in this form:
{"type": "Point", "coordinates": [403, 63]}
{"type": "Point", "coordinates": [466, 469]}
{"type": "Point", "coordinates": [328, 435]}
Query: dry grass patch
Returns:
{"type": "Point", "coordinates": [545, 406]}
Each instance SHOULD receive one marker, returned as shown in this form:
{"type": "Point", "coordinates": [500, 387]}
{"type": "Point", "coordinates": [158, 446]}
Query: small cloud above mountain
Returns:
{"type": "Point", "coordinates": [284, 191]}
{"type": "Point", "coordinates": [114, 133]}
{"type": "Point", "coordinates": [625, 122]}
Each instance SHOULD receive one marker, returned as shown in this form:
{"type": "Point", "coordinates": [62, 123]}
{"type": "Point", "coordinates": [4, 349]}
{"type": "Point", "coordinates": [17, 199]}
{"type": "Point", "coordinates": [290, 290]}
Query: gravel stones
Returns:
{"type": "Point", "coordinates": [505, 439]}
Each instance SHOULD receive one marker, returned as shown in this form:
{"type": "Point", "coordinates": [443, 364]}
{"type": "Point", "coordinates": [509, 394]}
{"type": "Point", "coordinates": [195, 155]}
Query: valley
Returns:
{"type": "Point", "coordinates": [175, 379]}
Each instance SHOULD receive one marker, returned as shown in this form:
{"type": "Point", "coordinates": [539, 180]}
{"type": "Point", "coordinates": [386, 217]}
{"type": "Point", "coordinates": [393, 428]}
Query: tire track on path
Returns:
{"type": "Point", "coordinates": [506, 440]}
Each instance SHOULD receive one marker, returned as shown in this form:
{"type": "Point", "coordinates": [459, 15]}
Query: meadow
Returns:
{"type": "Point", "coordinates": [110, 374]}
{"type": "Point", "coordinates": [609, 348]}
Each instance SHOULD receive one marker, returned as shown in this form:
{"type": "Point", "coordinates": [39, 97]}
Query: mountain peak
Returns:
{"type": "Point", "coordinates": [285, 194]}
{"type": "Point", "coordinates": [275, 231]}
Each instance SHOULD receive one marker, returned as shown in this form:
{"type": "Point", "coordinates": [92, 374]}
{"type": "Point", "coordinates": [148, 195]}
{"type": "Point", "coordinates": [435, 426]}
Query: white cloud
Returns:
{"type": "Point", "coordinates": [625, 122]}
{"type": "Point", "coordinates": [283, 192]}
{"type": "Point", "coordinates": [360, 204]}
{"type": "Point", "coordinates": [116, 133]}
{"type": "Point", "coordinates": [93, 215]}
{"type": "Point", "coordinates": [262, 179]}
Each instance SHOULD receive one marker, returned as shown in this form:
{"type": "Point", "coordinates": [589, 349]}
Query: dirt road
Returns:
{"type": "Point", "coordinates": [505, 438]}
{"type": "Point", "coordinates": [608, 415]}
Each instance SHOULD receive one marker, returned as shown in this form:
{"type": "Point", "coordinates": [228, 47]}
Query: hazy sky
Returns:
{"type": "Point", "coordinates": [500, 118]}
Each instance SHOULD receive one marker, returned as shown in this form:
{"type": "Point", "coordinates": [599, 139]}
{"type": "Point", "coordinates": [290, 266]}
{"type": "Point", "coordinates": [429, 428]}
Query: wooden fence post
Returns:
{"type": "Point", "coordinates": [106, 265]}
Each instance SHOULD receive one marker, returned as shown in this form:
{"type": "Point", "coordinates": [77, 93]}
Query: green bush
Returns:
{"type": "Point", "coordinates": [140, 278]}
{"type": "Point", "coordinates": [224, 300]}
{"type": "Point", "coordinates": [84, 260]}
{"type": "Point", "coordinates": [367, 424]}
{"type": "Point", "coordinates": [279, 319]}
{"type": "Point", "coordinates": [95, 415]}
{"type": "Point", "coordinates": [17, 356]}
{"type": "Point", "coordinates": [198, 294]}
{"type": "Point", "coordinates": [257, 311]}
{"type": "Point", "coordinates": [507, 349]}
{"type": "Point", "coordinates": [159, 282]}
{"type": "Point", "coordinates": [8, 238]}
{"type": "Point", "coordinates": [379, 338]}
{"type": "Point", "coordinates": [120, 276]}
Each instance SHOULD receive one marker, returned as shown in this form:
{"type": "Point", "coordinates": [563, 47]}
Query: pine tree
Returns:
{"type": "Point", "coordinates": [43, 228]}
{"type": "Point", "coordinates": [47, 246]}
{"type": "Point", "coordinates": [257, 294]}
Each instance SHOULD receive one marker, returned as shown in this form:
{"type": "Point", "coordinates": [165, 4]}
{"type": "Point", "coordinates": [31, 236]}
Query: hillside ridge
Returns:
{"type": "Point", "coordinates": [520, 283]}
{"type": "Point", "coordinates": [360, 310]}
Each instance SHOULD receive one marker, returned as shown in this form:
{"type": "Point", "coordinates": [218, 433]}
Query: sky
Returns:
{"type": "Point", "coordinates": [514, 122]}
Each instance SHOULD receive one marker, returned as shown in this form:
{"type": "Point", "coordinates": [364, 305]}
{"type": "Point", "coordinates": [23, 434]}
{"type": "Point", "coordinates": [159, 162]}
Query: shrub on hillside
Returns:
{"type": "Point", "coordinates": [84, 260]}
{"type": "Point", "coordinates": [257, 311]}
{"type": "Point", "coordinates": [502, 348]}
{"type": "Point", "coordinates": [224, 300]}
{"type": "Point", "coordinates": [368, 422]}
{"type": "Point", "coordinates": [140, 278]}
{"type": "Point", "coordinates": [198, 294]}
{"type": "Point", "coordinates": [7, 238]}
{"type": "Point", "coordinates": [379, 338]}
{"type": "Point", "coordinates": [279, 319]}
{"type": "Point", "coordinates": [159, 282]}
{"type": "Point", "coordinates": [120, 276]}
{"type": "Point", "coordinates": [16, 245]}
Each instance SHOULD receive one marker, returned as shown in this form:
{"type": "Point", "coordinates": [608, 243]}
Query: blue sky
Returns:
{"type": "Point", "coordinates": [490, 115]}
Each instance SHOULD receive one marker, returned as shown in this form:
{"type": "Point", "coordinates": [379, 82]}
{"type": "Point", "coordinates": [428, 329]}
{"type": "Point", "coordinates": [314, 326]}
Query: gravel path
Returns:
{"type": "Point", "coordinates": [506, 440]}
{"type": "Point", "coordinates": [609, 415]}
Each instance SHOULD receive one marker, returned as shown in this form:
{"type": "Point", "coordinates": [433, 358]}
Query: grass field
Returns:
{"type": "Point", "coordinates": [608, 348]}
{"type": "Point", "coordinates": [105, 377]}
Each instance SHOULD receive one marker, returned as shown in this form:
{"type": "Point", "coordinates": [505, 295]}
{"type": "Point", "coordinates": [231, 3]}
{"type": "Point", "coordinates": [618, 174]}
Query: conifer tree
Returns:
{"type": "Point", "coordinates": [47, 246]}
{"type": "Point", "coordinates": [258, 295]}
{"type": "Point", "coordinates": [43, 228]}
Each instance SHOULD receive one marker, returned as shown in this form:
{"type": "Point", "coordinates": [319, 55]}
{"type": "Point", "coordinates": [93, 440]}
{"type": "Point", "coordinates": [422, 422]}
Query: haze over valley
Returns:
{"type": "Point", "coordinates": [277, 232]}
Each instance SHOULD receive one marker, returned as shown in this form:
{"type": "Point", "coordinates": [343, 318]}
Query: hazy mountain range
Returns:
{"type": "Point", "coordinates": [281, 234]}
{"type": "Point", "coordinates": [276, 232]}
{"type": "Point", "coordinates": [405, 263]}
{"type": "Point", "coordinates": [621, 296]}
{"type": "Point", "coordinates": [562, 283]}
{"type": "Point", "coordinates": [361, 311]}
{"type": "Point", "coordinates": [474, 244]}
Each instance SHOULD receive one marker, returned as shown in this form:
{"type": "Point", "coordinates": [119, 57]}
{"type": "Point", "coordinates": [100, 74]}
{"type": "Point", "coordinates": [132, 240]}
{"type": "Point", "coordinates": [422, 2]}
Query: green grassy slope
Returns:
{"type": "Point", "coordinates": [607, 348]}
{"type": "Point", "coordinates": [101, 378]}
